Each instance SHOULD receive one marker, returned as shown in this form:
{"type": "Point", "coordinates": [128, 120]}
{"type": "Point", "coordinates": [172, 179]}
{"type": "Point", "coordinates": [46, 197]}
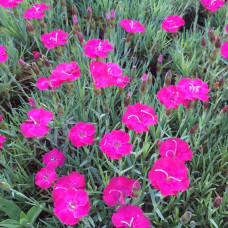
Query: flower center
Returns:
{"type": "Point", "coordinates": [55, 38]}
{"type": "Point", "coordinates": [116, 145]}
{"type": "Point", "coordinates": [129, 224]}
{"type": "Point", "coordinates": [99, 47]}
{"type": "Point", "coordinates": [53, 159]}
{"type": "Point", "coordinates": [132, 24]}
{"type": "Point", "coordinates": [46, 177]}
{"type": "Point", "coordinates": [36, 8]}
{"type": "Point", "coordinates": [33, 120]}
{"type": "Point", "coordinates": [72, 205]}
{"type": "Point", "coordinates": [168, 178]}
{"type": "Point", "coordinates": [171, 151]}
{"type": "Point", "coordinates": [193, 89]}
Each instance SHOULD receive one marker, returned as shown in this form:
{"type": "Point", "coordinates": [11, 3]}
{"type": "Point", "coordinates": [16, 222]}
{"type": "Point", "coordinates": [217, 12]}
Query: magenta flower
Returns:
{"type": "Point", "coordinates": [36, 126]}
{"type": "Point", "coordinates": [73, 181]}
{"type": "Point", "coordinates": [192, 89]}
{"type": "Point", "coordinates": [97, 48]}
{"type": "Point", "coordinates": [212, 5]}
{"type": "Point", "coordinates": [2, 140]}
{"type": "Point", "coordinates": [116, 144]}
{"type": "Point", "coordinates": [36, 11]}
{"type": "Point", "coordinates": [224, 49]}
{"type": "Point", "coordinates": [107, 74]}
{"type": "Point", "coordinates": [132, 26]}
{"type": "Point", "coordinates": [3, 55]}
{"type": "Point", "coordinates": [9, 3]}
{"type": "Point", "coordinates": [72, 206]}
{"type": "Point", "coordinates": [171, 97]}
{"type": "Point", "coordinates": [172, 23]}
{"type": "Point", "coordinates": [130, 216]}
{"type": "Point", "coordinates": [176, 148]}
{"type": "Point", "coordinates": [54, 38]}
{"type": "Point", "coordinates": [117, 189]}
{"type": "Point", "coordinates": [169, 175]}
{"type": "Point", "coordinates": [45, 177]}
{"type": "Point", "coordinates": [54, 158]}
{"type": "Point", "coordinates": [227, 28]}
{"type": "Point", "coordinates": [82, 134]}
{"type": "Point", "coordinates": [65, 72]}
{"type": "Point", "coordinates": [138, 117]}
{"type": "Point", "coordinates": [45, 83]}
{"type": "Point", "coordinates": [115, 72]}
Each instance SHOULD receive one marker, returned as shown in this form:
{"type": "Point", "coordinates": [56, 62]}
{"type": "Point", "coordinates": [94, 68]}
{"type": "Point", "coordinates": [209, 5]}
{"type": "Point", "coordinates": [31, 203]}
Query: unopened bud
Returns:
{"type": "Point", "coordinates": [29, 27]}
{"type": "Point", "coordinates": [133, 73]}
{"type": "Point", "coordinates": [80, 37]}
{"type": "Point", "coordinates": [35, 68]}
{"type": "Point", "coordinates": [107, 16]}
{"type": "Point", "coordinates": [215, 86]}
{"type": "Point", "coordinates": [136, 189]}
{"type": "Point", "coordinates": [168, 78]}
{"type": "Point", "coordinates": [112, 14]}
{"type": "Point", "coordinates": [194, 130]}
{"type": "Point", "coordinates": [1, 118]}
{"type": "Point", "coordinates": [218, 42]}
{"type": "Point", "coordinates": [190, 105]}
{"type": "Point", "coordinates": [21, 62]}
{"type": "Point", "coordinates": [89, 11]}
{"type": "Point", "coordinates": [157, 146]}
{"type": "Point", "coordinates": [97, 92]}
{"type": "Point", "coordinates": [127, 99]}
{"type": "Point", "coordinates": [25, 65]}
{"type": "Point", "coordinates": [4, 185]}
{"type": "Point", "coordinates": [149, 79]}
{"type": "Point", "coordinates": [221, 82]}
{"type": "Point", "coordinates": [60, 110]}
{"type": "Point", "coordinates": [217, 202]}
{"type": "Point", "coordinates": [74, 11]}
{"type": "Point", "coordinates": [143, 86]}
{"type": "Point", "coordinates": [203, 42]}
{"type": "Point", "coordinates": [160, 59]}
{"type": "Point", "coordinates": [154, 49]}
{"type": "Point", "coordinates": [186, 217]}
{"type": "Point", "coordinates": [129, 36]}
{"type": "Point", "coordinates": [224, 110]}
{"type": "Point", "coordinates": [46, 62]}
{"type": "Point", "coordinates": [32, 103]}
{"type": "Point", "coordinates": [36, 55]}
{"type": "Point", "coordinates": [75, 20]}
{"type": "Point", "coordinates": [205, 105]}
{"type": "Point", "coordinates": [211, 35]}
{"type": "Point", "coordinates": [169, 112]}
{"type": "Point", "coordinates": [159, 64]}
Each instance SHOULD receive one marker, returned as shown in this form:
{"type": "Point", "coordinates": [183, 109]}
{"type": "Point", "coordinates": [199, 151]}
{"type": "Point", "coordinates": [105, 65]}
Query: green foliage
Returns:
{"type": "Point", "coordinates": [21, 158]}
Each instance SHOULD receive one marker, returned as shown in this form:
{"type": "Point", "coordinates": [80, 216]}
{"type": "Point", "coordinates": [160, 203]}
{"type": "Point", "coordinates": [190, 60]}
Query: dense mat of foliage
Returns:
{"type": "Point", "coordinates": [151, 59]}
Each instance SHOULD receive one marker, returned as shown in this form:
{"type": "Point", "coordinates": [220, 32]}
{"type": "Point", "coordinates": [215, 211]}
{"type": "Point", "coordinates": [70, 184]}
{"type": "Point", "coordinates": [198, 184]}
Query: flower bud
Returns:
{"type": "Point", "coordinates": [36, 55]}
{"type": "Point", "coordinates": [25, 65]}
{"type": "Point", "coordinates": [21, 62]}
{"type": "Point", "coordinates": [157, 146]}
{"type": "Point", "coordinates": [190, 105]}
{"type": "Point", "coordinates": [74, 11]}
{"type": "Point", "coordinates": [217, 202]}
{"type": "Point", "coordinates": [203, 42]}
{"type": "Point", "coordinates": [1, 118]}
{"type": "Point", "coordinates": [221, 82]}
{"type": "Point", "coordinates": [185, 218]}
{"type": "Point", "coordinates": [32, 103]}
{"type": "Point", "coordinates": [127, 99]}
{"type": "Point", "coordinates": [224, 110]}
{"type": "Point", "coordinates": [149, 79]}
{"type": "Point", "coordinates": [215, 86]}
{"type": "Point", "coordinates": [89, 11]}
{"type": "Point", "coordinates": [129, 36]}
{"type": "Point", "coordinates": [107, 16]}
{"type": "Point", "coordinates": [143, 86]}
{"type": "Point", "coordinates": [154, 49]}
{"type": "Point", "coordinates": [29, 27]}
{"type": "Point", "coordinates": [218, 42]}
{"type": "Point", "coordinates": [35, 68]}
{"type": "Point", "coordinates": [4, 185]}
{"type": "Point", "coordinates": [169, 112]}
{"type": "Point", "coordinates": [159, 64]}
{"type": "Point", "coordinates": [60, 110]}
{"type": "Point", "coordinates": [160, 59]}
{"type": "Point", "coordinates": [112, 14]}
{"type": "Point", "coordinates": [205, 105]}
{"type": "Point", "coordinates": [133, 73]}
{"type": "Point", "coordinates": [46, 62]}
{"type": "Point", "coordinates": [80, 38]}
{"type": "Point", "coordinates": [75, 20]}
{"type": "Point", "coordinates": [194, 130]}
{"type": "Point", "coordinates": [211, 35]}
{"type": "Point", "coordinates": [136, 189]}
{"type": "Point", "coordinates": [168, 78]}
{"type": "Point", "coordinates": [192, 223]}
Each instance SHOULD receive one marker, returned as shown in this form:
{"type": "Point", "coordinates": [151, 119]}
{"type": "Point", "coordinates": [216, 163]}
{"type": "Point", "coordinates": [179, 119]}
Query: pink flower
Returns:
{"type": "Point", "coordinates": [224, 50]}
{"type": "Point", "coordinates": [72, 206]}
{"type": "Point", "coordinates": [44, 83]}
{"type": "Point", "coordinates": [65, 72]}
{"type": "Point", "coordinates": [171, 97]}
{"type": "Point", "coordinates": [175, 148]}
{"type": "Point", "coordinates": [36, 126]}
{"type": "Point", "coordinates": [54, 158]}
{"type": "Point", "coordinates": [3, 55]}
{"type": "Point", "coordinates": [54, 38]}
{"type": "Point", "coordinates": [116, 144]}
{"type": "Point", "coordinates": [130, 216]}
{"type": "Point", "coordinates": [212, 5]}
{"type": "Point", "coordinates": [227, 28]}
{"type": "Point", "coordinates": [32, 103]}
{"type": "Point", "coordinates": [82, 134]}
{"type": "Point", "coordinates": [169, 175]}
{"type": "Point", "coordinates": [97, 48]}
{"type": "Point", "coordinates": [9, 3]}
{"type": "Point", "coordinates": [172, 23]}
{"type": "Point", "coordinates": [2, 140]}
{"type": "Point", "coordinates": [117, 189]}
{"type": "Point", "coordinates": [192, 89]}
{"type": "Point", "coordinates": [36, 11]}
{"type": "Point", "coordinates": [73, 181]}
{"type": "Point", "coordinates": [45, 177]}
{"type": "Point", "coordinates": [115, 72]}
{"type": "Point", "coordinates": [99, 72]}
{"type": "Point", "coordinates": [139, 116]}
{"type": "Point", "coordinates": [1, 118]}
{"type": "Point", "coordinates": [132, 26]}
